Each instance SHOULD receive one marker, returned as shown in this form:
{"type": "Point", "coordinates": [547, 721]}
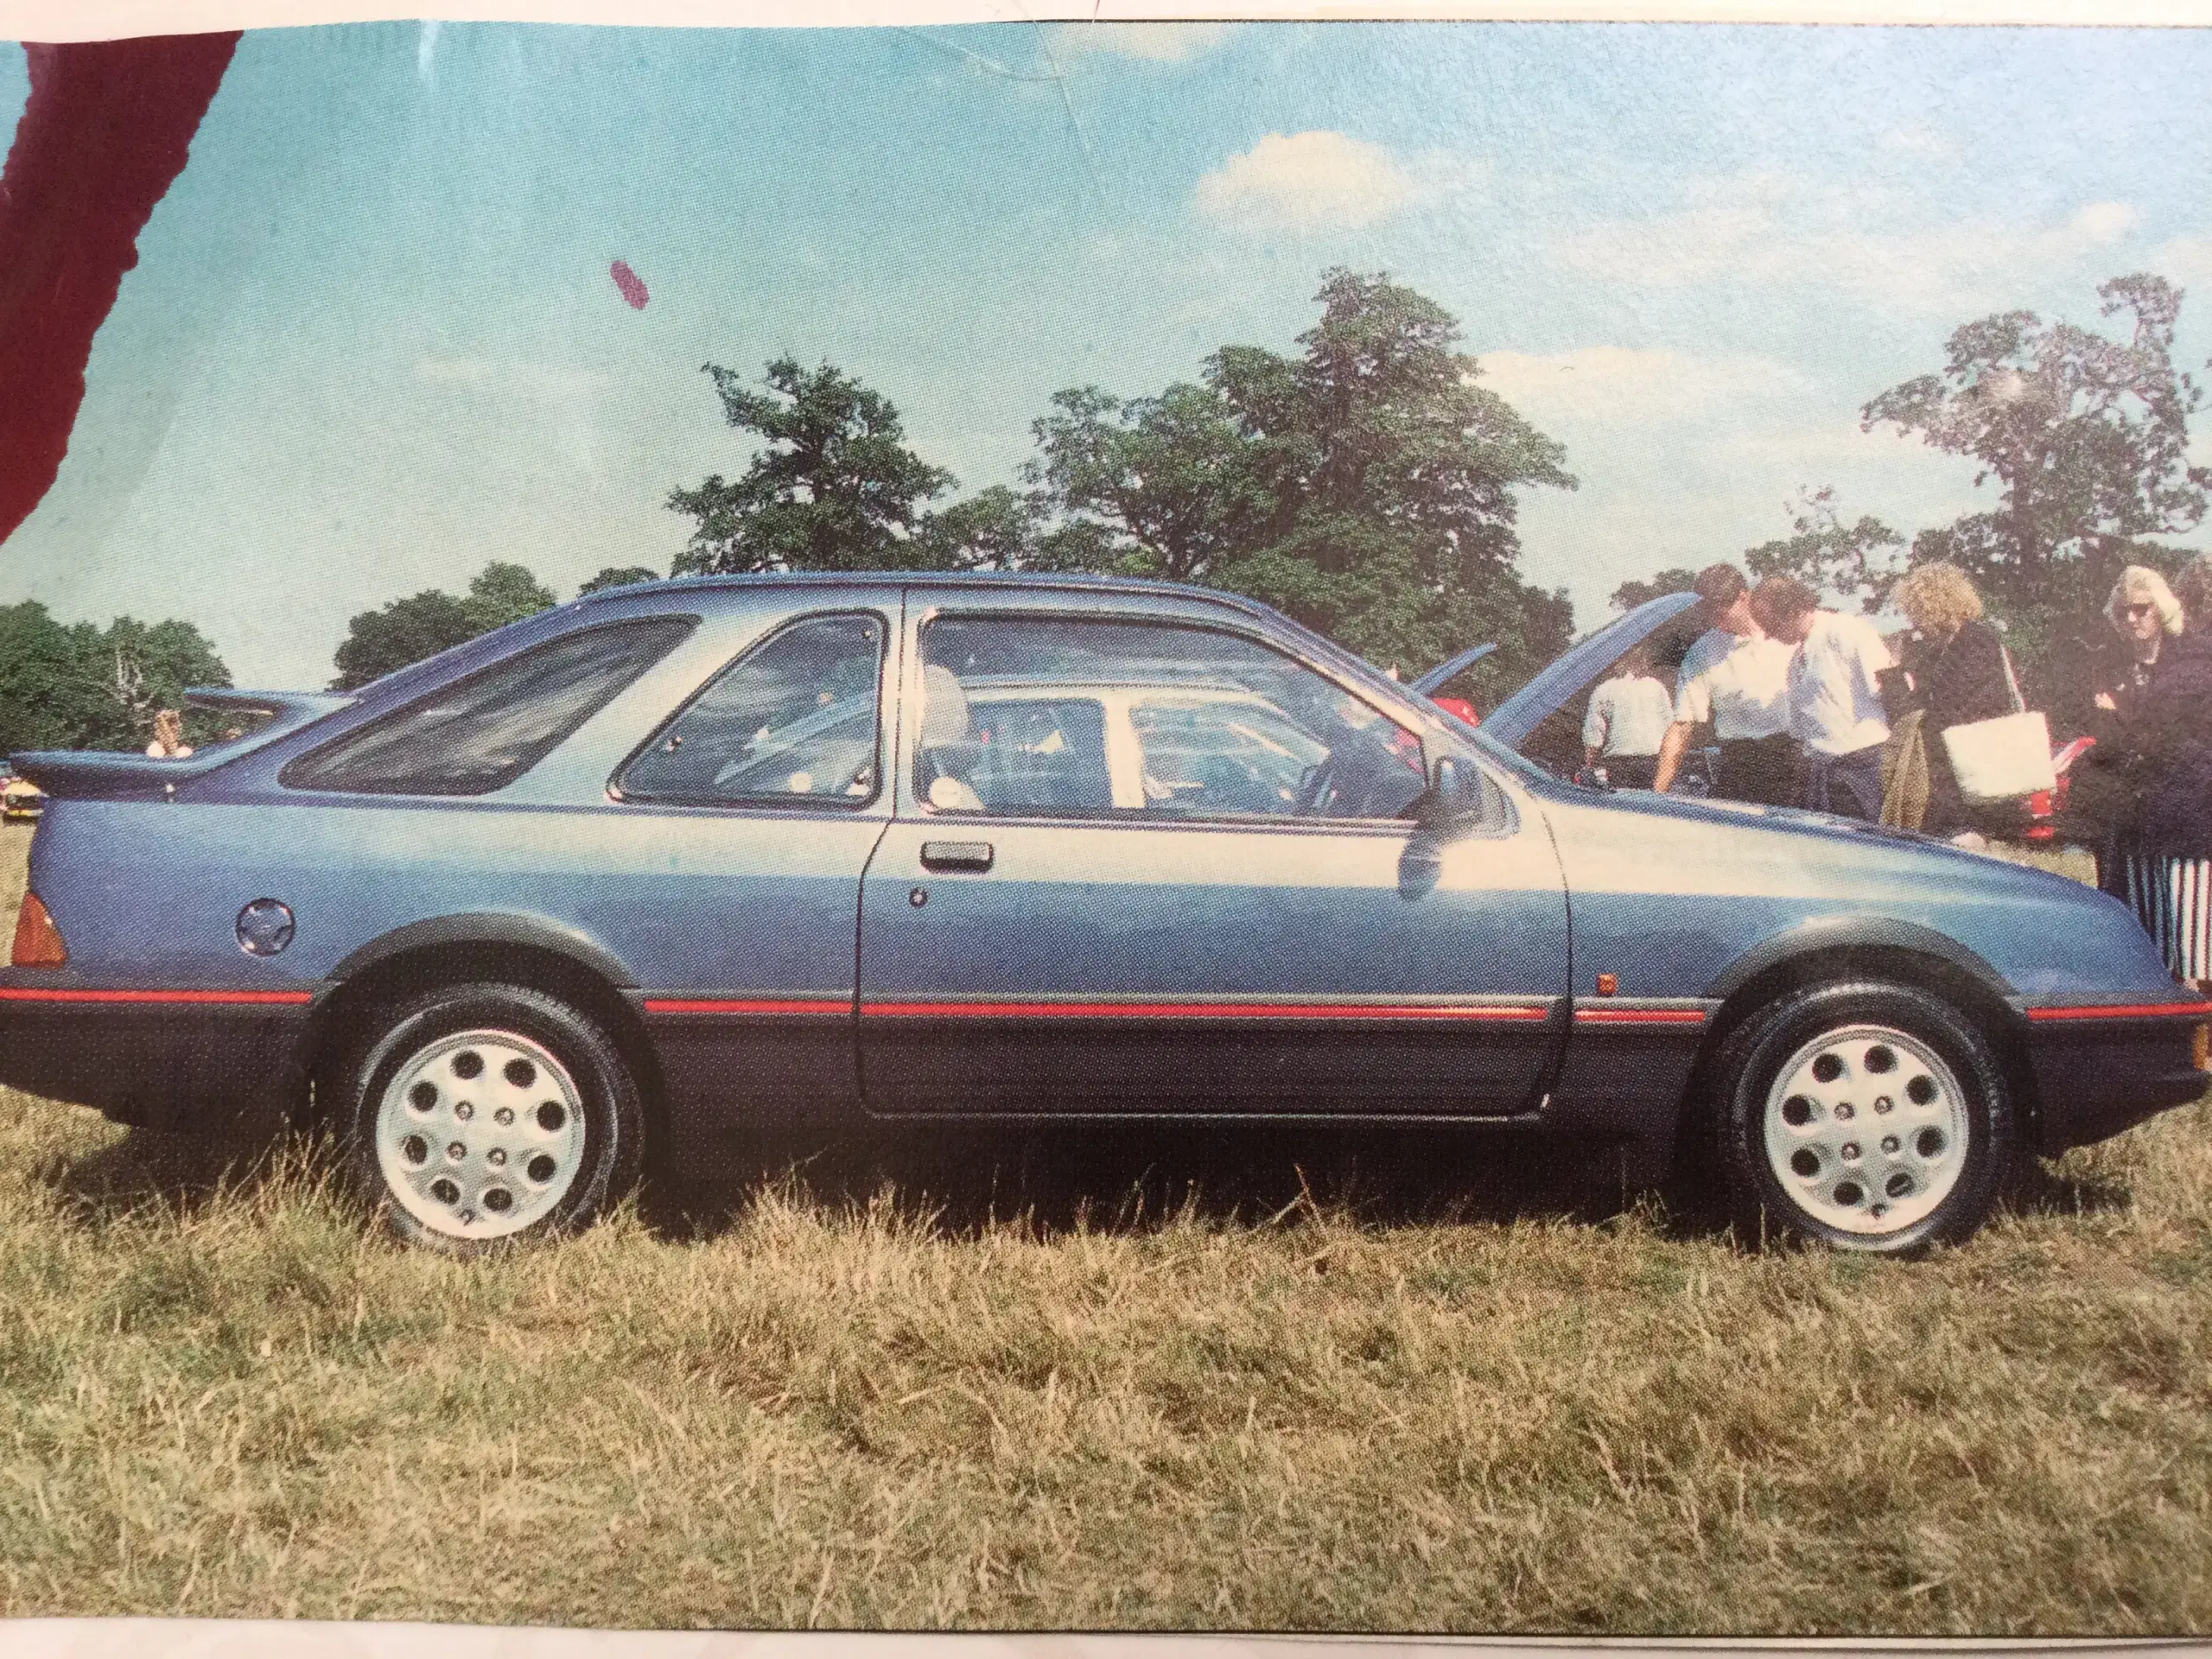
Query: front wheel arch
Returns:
{"type": "Point", "coordinates": [1758, 1061]}
{"type": "Point", "coordinates": [1999, 1023]}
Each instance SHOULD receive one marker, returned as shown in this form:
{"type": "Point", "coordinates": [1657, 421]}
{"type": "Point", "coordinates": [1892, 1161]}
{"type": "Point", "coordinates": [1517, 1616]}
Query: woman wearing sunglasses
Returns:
{"type": "Point", "coordinates": [2153, 758]}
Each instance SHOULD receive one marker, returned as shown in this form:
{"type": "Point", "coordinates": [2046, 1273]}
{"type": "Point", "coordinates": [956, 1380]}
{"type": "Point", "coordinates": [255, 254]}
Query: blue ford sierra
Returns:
{"type": "Point", "coordinates": [924, 847]}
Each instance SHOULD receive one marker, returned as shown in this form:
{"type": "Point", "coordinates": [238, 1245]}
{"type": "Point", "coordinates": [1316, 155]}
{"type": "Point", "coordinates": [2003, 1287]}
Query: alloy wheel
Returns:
{"type": "Point", "coordinates": [479, 1134]}
{"type": "Point", "coordinates": [1866, 1129]}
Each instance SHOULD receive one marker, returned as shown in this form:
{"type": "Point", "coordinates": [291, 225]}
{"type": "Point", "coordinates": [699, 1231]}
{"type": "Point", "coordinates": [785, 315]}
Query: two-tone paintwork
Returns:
{"type": "Point", "coordinates": [781, 959]}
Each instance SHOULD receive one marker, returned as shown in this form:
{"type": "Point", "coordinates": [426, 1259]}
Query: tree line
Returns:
{"type": "Point", "coordinates": [1366, 484]}
{"type": "Point", "coordinates": [79, 686]}
{"type": "Point", "coordinates": [2084, 436]}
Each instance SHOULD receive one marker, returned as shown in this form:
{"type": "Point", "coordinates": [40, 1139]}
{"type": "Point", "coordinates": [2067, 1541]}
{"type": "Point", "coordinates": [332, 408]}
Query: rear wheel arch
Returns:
{"type": "Point", "coordinates": [393, 975]}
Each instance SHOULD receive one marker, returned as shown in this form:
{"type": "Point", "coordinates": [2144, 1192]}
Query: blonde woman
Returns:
{"type": "Point", "coordinates": [168, 742]}
{"type": "Point", "coordinates": [2156, 748]}
{"type": "Point", "coordinates": [1959, 676]}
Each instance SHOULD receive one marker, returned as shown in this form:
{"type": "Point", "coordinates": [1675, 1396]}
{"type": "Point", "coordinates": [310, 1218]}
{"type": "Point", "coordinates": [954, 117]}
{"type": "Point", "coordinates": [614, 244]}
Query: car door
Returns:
{"type": "Point", "coordinates": [1150, 860]}
{"type": "Point", "coordinates": [751, 812]}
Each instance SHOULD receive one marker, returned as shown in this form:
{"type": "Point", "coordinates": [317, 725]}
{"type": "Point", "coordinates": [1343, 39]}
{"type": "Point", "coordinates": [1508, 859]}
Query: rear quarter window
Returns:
{"type": "Point", "coordinates": [482, 732]}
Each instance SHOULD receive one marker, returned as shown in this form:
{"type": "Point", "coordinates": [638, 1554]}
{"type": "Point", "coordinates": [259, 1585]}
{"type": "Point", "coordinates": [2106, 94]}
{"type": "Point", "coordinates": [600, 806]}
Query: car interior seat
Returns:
{"type": "Point", "coordinates": [948, 750]}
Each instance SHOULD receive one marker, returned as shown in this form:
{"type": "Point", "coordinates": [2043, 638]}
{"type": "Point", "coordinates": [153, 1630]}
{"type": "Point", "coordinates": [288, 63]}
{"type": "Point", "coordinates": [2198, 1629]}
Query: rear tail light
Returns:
{"type": "Point", "coordinates": [38, 941]}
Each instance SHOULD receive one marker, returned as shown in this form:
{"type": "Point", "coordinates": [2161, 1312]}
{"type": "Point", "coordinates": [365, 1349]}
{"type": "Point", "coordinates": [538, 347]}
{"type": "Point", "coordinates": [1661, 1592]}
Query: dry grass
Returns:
{"type": "Point", "coordinates": [834, 1405]}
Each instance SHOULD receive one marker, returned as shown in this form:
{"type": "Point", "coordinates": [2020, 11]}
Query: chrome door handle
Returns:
{"type": "Point", "coordinates": [956, 856]}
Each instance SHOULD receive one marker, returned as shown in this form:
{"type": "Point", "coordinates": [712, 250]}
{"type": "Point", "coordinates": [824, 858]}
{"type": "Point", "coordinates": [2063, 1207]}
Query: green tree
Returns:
{"type": "Point", "coordinates": [2085, 436]}
{"type": "Point", "coordinates": [1163, 487]}
{"type": "Point", "coordinates": [1673, 580]}
{"type": "Point", "coordinates": [833, 485]}
{"type": "Point", "coordinates": [1852, 564]}
{"type": "Point", "coordinates": [500, 594]}
{"type": "Point", "coordinates": [618, 576]}
{"type": "Point", "coordinates": [422, 625]}
{"type": "Point", "coordinates": [1366, 486]}
{"type": "Point", "coordinates": [84, 687]}
{"type": "Point", "coordinates": [42, 684]}
{"type": "Point", "coordinates": [993, 529]}
{"type": "Point", "coordinates": [146, 667]}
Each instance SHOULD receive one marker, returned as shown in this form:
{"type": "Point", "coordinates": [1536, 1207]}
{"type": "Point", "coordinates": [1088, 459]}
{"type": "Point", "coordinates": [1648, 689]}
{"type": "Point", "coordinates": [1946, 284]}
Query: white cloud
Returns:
{"type": "Point", "coordinates": [1152, 43]}
{"type": "Point", "coordinates": [2105, 221]}
{"type": "Point", "coordinates": [1305, 180]}
{"type": "Point", "coordinates": [1613, 385]}
{"type": "Point", "coordinates": [1918, 141]}
{"type": "Point", "coordinates": [1766, 229]}
{"type": "Point", "coordinates": [2186, 260]}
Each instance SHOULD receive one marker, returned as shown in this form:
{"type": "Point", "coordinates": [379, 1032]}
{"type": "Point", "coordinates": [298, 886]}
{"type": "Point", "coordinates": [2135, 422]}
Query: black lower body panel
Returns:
{"type": "Point", "coordinates": [2097, 1078]}
{"type": "Point", "coordinates": [162, 1065]}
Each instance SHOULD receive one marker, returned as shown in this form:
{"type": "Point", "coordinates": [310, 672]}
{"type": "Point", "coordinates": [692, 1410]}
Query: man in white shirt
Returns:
{"type": "Point", "coordinates": [1735, 679]}
{"type": "Point", "coordinates": [1835, 695]}
{"type": "Point", "coordinates": [1627, 721]}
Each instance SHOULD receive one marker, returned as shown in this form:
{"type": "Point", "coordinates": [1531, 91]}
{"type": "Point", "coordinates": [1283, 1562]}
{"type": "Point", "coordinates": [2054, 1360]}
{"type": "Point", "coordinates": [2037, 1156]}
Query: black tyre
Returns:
{"type": "Point", "coordinates": [479, 1115]}
{"type": "Point", "coordinates": [1864, 1115]}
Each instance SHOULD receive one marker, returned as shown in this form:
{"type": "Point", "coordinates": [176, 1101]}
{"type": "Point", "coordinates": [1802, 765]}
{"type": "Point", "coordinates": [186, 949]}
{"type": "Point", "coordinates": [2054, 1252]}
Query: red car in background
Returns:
{"type": "Point", "coordinates": [1443, 674]}
{"type": "Point", "coordinates": [2045, 804]}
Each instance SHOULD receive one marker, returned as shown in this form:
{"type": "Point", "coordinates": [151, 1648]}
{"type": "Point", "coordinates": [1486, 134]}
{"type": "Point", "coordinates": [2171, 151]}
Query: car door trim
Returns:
{"type": "Point", "coordinates": [1531, 1011]}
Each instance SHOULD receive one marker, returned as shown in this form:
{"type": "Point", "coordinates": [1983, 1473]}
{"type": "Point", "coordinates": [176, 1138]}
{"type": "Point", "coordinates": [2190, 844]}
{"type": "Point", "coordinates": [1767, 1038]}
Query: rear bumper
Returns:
{"type": "Point", "coordinates": [158, 1058]}
{"type": "Point", "coordinates": [2100, 1070]}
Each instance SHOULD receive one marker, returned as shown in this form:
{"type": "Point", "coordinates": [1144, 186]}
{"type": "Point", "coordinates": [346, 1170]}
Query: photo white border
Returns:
{"type": "Point", "coordinates": [87, 20]}
{"type": "Point", "coordinates": [190, 1638]}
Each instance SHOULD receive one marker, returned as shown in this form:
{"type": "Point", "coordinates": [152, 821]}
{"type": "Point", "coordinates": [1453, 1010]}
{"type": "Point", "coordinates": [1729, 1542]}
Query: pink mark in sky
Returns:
{"type": "Point", "coordinates": [627, 280]}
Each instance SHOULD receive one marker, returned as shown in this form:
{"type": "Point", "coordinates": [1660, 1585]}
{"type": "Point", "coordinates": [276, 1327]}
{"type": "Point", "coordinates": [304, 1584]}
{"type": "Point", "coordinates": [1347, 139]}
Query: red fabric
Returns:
{"type": "Point", "coordinates": [105, 128]}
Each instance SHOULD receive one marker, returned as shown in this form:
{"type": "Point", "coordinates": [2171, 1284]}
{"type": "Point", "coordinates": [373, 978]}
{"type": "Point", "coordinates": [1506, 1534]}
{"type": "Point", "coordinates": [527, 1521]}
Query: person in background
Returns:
{"type": "Point", "coordinates": [2193, 587]}
{"type": "Point", "coordinates": [1627, 723]}
{"type": "Point", "coordinates": [1959, 676]}
{"type": "Point", "coordinates": [1737, 678]}
{"type": "Point", "coordinates": [168, 742]}
{"type": "Point", "coordinates": [2153, 766]}
{"type": "Point", "coordinates": [1835, 695]}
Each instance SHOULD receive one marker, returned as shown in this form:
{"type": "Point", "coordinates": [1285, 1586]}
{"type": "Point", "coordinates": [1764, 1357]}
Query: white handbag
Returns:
{"type": "Point", "coordinates": [2003, 759]}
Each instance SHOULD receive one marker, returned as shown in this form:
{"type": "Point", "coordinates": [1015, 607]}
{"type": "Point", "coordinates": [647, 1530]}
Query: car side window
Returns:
{"type": "Point", "coordinates": [791, 722]}
{"type": "Point", "coordinates": [1070, 717]}
{"type": "Point", "coordinates": [485, 730]}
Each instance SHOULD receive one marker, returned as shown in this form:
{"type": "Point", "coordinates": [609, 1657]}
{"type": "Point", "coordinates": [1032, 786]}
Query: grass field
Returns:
{"type": "Point", "coordinates": [1176, 1381]}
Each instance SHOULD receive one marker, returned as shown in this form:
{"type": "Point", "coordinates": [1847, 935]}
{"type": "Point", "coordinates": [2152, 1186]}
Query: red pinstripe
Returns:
{"type": "Point", "coordinates": [36, 993]}
{"type": "Point", "coordinates": [747, 1005]}
{"type": "Point", "coordinates": [2128, 1010]}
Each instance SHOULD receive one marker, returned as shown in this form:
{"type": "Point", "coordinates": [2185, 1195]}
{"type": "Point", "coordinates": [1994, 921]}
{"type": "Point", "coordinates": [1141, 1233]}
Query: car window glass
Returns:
{"type": "Point", "coordinates": [484, 731]}
{"type": "Point", "coordinates": [792, 722]}
{"type": "Point", "coordinates": [1053, 716]}
{"type": "Point", "coordinates": [1048, 753]}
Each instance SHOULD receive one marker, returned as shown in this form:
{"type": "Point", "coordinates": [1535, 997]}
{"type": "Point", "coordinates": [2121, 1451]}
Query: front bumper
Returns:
{"type": "Point", "coordinates": [2100, 1069]}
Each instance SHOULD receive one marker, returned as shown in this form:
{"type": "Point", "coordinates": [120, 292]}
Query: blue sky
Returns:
{"type": "Point", "coordinates": [372, 341]}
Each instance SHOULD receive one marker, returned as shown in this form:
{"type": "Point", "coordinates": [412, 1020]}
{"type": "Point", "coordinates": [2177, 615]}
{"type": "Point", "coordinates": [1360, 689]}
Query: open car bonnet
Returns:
{"type": "Point", "coordinates": [1445, 672]}
{"type": "Point", "coordinates": [1559, 681]}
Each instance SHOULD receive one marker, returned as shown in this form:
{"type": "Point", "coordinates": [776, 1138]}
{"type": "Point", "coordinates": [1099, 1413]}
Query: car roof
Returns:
{"type": "Point", "coordinates": [1043, 581]}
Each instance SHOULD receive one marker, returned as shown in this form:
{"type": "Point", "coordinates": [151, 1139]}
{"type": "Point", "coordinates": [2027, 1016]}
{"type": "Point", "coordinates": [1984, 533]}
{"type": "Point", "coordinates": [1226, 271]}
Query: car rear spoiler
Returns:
{"type": "Point", "coordinates": [102, 774]}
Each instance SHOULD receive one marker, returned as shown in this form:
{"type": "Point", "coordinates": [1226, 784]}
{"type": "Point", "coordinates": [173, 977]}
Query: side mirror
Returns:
{"type": "Point", "coordinates": [1453, 798]}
